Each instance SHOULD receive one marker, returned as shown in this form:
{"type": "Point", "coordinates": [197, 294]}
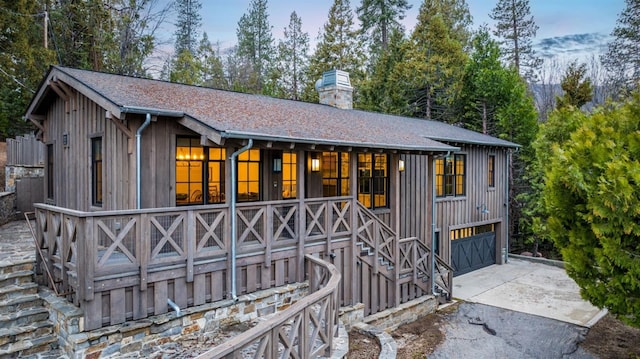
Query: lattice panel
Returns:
{"type": "Point", "coordinates": [251, 226]}
{"type": "Point", "coordinates": [116, 240]}
{"type": "Point", "coordinates": [285, 222]}
{"type": "Point", "coordinates": [167, 235]}
{"type": "Point", "coordinates": [210, 230]}
{"type": "Point", "coordinates": [341, 217]}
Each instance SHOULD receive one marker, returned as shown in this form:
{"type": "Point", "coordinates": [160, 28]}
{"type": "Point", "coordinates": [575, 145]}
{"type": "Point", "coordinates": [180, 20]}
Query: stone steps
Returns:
{"type": "Point", "coordinates": [25, 328]}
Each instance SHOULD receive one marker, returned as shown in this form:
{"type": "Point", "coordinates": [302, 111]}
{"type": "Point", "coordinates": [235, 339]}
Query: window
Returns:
{"type": "Point", "coordinates": [215, 175]}
{"type": "Point", "coordinates": [450, 176]}
{"type": "Point", "coordinates": [289, 175]}
{"type": "Point", "coordinates": [96, 171]}
{"type": "Point", "coordinates": [492, 171]}
{"type": "Point", "coordinates": [50, 171]}
{"type": "Point", "coordinates": [471, 231]}
{"type": "Point", "coordinates": [190, 162]}
{"type": "Point", "coordinates": [373, 180]}
{"type": "Point", "coordinates": [335, 174]}
{"type": "Point", "coordinates": [249, 176]}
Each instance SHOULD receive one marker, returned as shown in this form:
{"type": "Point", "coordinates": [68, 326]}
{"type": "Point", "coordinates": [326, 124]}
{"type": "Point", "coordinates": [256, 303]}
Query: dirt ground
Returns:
{"type": "Point", "coordinates": [609, 338]}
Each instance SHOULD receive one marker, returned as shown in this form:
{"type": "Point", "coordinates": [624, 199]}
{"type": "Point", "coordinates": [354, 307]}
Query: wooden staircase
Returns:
{"type": "Point", "coordinates": [25, 328]}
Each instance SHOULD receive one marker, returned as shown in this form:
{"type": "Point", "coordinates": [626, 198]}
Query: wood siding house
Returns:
{"type": "Point", "coordinates": [142, 176]}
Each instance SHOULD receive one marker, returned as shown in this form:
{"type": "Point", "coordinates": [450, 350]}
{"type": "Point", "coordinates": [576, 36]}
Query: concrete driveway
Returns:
{"type": "Point", "coordinates": [527, 287]}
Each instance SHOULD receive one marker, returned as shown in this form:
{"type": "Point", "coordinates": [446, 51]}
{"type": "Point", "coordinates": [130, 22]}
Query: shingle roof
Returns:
{"type": "Point", "coordinates": [238, 114]}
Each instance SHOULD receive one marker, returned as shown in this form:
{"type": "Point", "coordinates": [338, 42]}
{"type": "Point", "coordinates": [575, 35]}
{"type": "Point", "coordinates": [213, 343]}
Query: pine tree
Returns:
{"type": "Point", "coordinates": [592, 196]}
{"type": "Point", "coordinates": [622, 59]}
{"type": "Point", "coordinates": [187, 26]}
{"type": "Point", "coordinates": [577, 89]}
{"type": "Point", "coordinates": [379, 18]}
{"type": "Point", "coordinates": [435, 62]}
{"type": "Point", "coordinates": [255, 44]}
{"type": "Point", "coordinates": [82, 33]}
{"type": "Point", "coordinates": [338, 48]}
{"type": "Point", "coordinates": [212, 69]}
{"type": "Point", "coordinates": [293, 55]}
{"type": "Point", "coordinates": [516, 27]}
{"type": "Point", "coordinates": [23, 62]}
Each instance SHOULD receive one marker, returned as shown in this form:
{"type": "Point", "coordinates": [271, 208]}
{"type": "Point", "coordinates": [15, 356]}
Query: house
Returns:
{"type": "Point", "coordinates": [141, 177]}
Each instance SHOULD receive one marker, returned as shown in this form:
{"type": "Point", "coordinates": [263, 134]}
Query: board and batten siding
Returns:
{"type": "Point", "coordinates": [454, 212]}
{"type": "Point", "coordinates": [78, 120]}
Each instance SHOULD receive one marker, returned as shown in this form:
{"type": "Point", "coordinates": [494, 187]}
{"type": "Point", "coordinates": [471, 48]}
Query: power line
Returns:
{"type": "Point", "coordinates": [16, 80]}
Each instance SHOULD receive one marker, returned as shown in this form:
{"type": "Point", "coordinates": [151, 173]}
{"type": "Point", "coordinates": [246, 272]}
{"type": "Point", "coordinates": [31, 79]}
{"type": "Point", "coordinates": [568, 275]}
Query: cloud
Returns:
{"type": "Point", "coordinates": [573, 46]}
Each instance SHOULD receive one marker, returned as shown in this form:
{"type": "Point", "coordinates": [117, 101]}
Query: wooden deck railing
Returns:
{"type": "Point", "coordinates": [304, 330]}
{"type": "Point", "coordinates": [141, 258]}
{"type": "Point", "coordinates": [125, 265]}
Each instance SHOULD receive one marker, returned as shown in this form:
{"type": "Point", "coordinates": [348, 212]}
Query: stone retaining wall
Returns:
{"type": "Point", "coordinates": [7, 207]}
{"type": "Point", "coordinates": [139, 338]}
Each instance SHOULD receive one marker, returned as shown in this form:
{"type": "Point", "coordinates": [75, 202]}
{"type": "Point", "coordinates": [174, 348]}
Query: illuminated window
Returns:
{"type": "Point", "coordinates": [215, 175]}
{"type": "Point", "coordinates": [373, 180]}
{"type": "Point", "coordinates": [289, 175]}
{"type": "Point", "coordinates": [450, 176]}
{"type": "Point", "coordinates": [190, 160]}
{"type": "Point", "coordinates": [471, 231]}
{"type": "Point", "coordinates": [96, 171]}
{"type": "Point", "coordinates": [492, 171]}
{"type": "Point", "coordinates": [335, 174]}
{"type": "Point", "coordinates": [249, 176]}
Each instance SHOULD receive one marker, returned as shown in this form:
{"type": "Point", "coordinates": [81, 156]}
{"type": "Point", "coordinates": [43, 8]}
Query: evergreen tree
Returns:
{"type": "Point", "coordinates": [384, 89]}
{"type": "Point", "coordinates": [23, 62]}
{"type": "Point", "coordinates": [293, 55]}
{"type": "Point", "coordinates": [187, 26]}
{"type": "Point", "coordinates": [338, 48]}
{"type": "Point", "coordinates": [435, 61]}
{"type": "Point", "coordinates": [622, 59]}
{"type": "Point", "coordinates": [592, 196]}
{"type": "Point", "coordinates": [484, 83]}
{"type": "Point", "coordinates": [82, 33]}
{"type": "Point", "coordinates": [577, 89]}
{"type": "Point", "coordinates": [379, 18]}
{"type": "Point", "coordinates": [516, 27]}
{"type": "Point", "coordinates": [212, 69]}
{"type": "Point", "coordinates": [255, 44]}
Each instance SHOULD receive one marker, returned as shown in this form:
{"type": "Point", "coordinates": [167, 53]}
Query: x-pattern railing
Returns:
{"type": "Point", "coordinates": [168, 234]}
{"type": "Point", "coordinates": [116, 241]}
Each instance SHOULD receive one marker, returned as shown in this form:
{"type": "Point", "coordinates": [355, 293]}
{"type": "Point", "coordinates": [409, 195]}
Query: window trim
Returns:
{"type": "Point", "coordinates": [370, 181]}
{"type": "Point", "coordinates": [50, 170]}
{"type": "Point", "coordinates": [441, 176]}
{"type": "Point", "coordinates": [341, 176]}
{"type": "Point", "coordinates": [97, 185]}
{"type": "Point", "coordinates": [491, 168]}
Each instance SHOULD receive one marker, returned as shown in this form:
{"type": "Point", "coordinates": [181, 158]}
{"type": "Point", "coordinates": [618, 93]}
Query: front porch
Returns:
{"type": "Point", "coordinates": [126, 265]}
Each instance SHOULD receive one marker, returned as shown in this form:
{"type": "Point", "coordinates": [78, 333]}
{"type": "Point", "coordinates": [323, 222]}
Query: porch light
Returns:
{"type": "Point", "coordinates": [315, 165]}
{"type": "Point", "coordinates": [277, 165]}
{"type": "Point", "coordinates": [401, 165]}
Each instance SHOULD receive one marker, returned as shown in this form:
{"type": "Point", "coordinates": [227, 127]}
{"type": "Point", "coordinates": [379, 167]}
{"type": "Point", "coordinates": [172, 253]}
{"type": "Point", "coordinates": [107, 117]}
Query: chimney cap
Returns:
{"type": "Point", "coordinates": [334, 78]}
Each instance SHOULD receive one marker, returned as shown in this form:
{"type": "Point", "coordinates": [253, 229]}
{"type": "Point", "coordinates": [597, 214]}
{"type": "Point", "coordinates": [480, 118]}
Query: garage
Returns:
{"type": "Point", "coordinates": [476, 251]}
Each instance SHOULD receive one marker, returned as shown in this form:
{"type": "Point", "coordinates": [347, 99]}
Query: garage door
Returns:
{"type": "Point", "coordinates": [471, 253]}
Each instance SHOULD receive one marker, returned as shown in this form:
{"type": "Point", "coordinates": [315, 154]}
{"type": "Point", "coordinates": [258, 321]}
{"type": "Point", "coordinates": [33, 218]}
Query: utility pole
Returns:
{"type": "Point", "coordinates": [46, 27]}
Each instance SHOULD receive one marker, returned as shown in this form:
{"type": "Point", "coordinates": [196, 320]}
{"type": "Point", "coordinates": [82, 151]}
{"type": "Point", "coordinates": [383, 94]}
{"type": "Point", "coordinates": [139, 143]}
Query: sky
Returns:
{"type": "Point", "coordinates": [567, 28]}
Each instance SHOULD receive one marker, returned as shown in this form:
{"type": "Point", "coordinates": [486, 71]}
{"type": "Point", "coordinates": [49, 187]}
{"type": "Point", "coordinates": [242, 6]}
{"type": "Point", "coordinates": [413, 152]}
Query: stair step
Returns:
{"type": "Point", "coordinates": [23, 317]}
{"type": "Point", "coordinates": [26, 332]}
{"type": "Point", "coordinates": [27, 348]}
{"type": "Point", "coordinates": [17, 267]}
{"type": "Point", "coordinates": [14, 290]}
{"type": "Point", "coordinates": [17, 277]}
{"type": "Point", "coordinates": [23, 302]}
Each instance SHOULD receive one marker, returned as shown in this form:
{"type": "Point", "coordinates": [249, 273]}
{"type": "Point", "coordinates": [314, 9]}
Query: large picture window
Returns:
{"type": "Point", "coordinates": [96, 171]}
{"type": "Point", "coordinates": [335, 174]}
{"type": "Point", "coordinates": [249, 176]}
{"type": "Point", "coordinates": [200, 172]}
{"type": "Point", "coordinates": [373, 180]}
{"type": "Point", "coordinates": [450, 176]}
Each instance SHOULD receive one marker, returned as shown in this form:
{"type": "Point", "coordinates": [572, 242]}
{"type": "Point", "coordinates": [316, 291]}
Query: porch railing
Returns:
{"type": "Point", "coordinates": [304, 330]}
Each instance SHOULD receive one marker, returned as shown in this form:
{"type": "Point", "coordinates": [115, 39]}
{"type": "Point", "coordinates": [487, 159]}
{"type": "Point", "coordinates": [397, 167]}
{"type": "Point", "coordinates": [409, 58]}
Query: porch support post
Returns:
{"type": "Point", "coordinates": [302, 211]}
{"type": "Point", "coordinates": [395, 220]}
{"type": "Point", "coordinates": [353, 191]}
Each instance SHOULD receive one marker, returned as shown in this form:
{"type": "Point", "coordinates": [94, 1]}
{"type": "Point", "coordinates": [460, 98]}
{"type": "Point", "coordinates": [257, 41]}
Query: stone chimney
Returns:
{"type": "Point", "coordinates": [335, 89]}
